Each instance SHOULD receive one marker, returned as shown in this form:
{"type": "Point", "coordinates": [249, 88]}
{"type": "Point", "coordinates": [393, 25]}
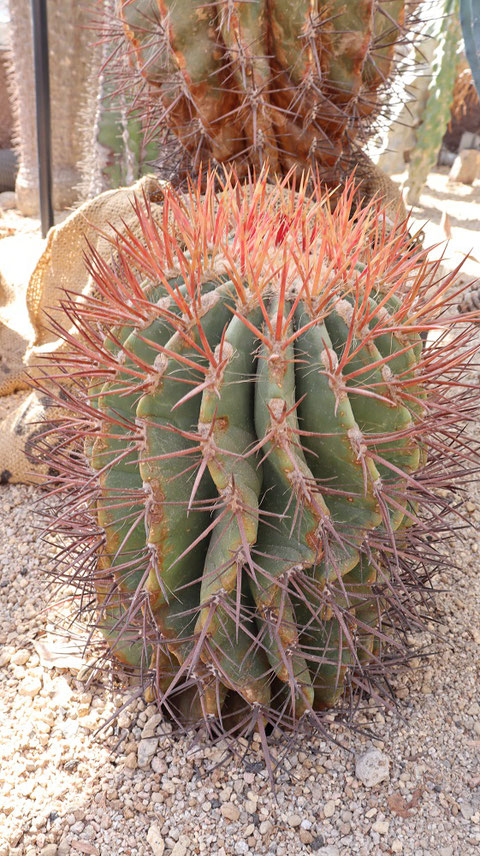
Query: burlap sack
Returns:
{"type": "Point", "coordinates": [61, 267]}
{"type": "Point", "coordinates": [12, 366]}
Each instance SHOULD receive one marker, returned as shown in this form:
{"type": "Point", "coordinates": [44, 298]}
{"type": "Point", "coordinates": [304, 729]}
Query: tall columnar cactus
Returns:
{"type": "Point", "coordinates": [436, 115]}
{"type": "Point", "coordinates": [264, 435]}
{"type": "Point", "coordinates": [290, 82]}
{"type": "Point", "coordinates": [120, 153]}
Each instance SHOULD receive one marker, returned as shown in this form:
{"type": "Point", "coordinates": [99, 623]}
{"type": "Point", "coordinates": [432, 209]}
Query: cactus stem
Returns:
{"type": "Point", "coordinates": [260, 562]}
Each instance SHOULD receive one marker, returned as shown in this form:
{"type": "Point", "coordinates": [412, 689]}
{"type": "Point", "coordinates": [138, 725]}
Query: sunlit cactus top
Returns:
{"type": "Point", "coordinates": [288, 82]}
{"type": "Point", "coordinates": [264, 432]}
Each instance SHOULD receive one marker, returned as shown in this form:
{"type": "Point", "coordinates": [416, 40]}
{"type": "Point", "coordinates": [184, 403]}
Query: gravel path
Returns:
{"type": "Point", "coordinates": [66, 790]}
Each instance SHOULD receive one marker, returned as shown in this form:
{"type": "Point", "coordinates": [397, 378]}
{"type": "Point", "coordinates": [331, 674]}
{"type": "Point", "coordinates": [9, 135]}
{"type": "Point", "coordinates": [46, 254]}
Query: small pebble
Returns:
{"type": "Point", "coordinates": [328, 850]}
{"type": "Point", "coordinates": [230, 811]}
{"type": "Point", "coordinates": [467, 811]}
{"type": "Point", "coordinates": [372, 767]}
{"type": "Point", "coordinates": [381, 826]}
{"type": "Point", "coordinates": [20, 657]}
{"type": "Point", "coordinates": [329, 808]}
{"type": "Point", "coordinates": [5, 657]}
{"type": "Point", "coordinates": [150, 726]}
{"type": "Point", "coordinates": [8, 200]}
{"type": "Point", "coordinates": [131, 761]}
{"type": "Point", "coordinates": [154, 838]}
{"type": "Point", "coordinates": [30, 687]}
{"type": "Point", "coordinates": [146, 750]}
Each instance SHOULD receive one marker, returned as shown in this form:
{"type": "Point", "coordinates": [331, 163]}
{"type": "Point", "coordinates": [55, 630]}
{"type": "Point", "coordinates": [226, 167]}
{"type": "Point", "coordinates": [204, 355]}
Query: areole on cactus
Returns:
{"type": "Point", "coordinates": [264, 434]}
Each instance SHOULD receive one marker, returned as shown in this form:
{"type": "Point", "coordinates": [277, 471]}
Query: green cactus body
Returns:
{"type": "Point", "coordinates": [236, 510]}
{"type": "Point", "coordinates": [260, 451]}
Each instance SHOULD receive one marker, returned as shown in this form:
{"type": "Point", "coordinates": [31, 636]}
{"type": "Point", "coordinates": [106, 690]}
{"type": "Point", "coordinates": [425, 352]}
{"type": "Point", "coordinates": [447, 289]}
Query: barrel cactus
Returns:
{"type": "Point", "coordinates": [259, 436]}
{"type": "Point", "coordinates": [288, 83]}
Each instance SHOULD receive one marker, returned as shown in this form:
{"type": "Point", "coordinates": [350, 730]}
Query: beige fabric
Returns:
{"type": "Point", "coordinates": [61, 267]}
{"type": "Point", "coordinates": [30, 418]}
{"type": "Point", "coordinates": [18, 256]}
{"type": "Point", "coordinates": [12, 367]}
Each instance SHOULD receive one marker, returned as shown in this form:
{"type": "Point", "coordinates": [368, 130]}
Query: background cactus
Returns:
{"type": "Point", "coordinates": [75, 59]}
{"type": "Point", "coordinates": [469, 10]}
{"type": "Point", "coordinates": [119, 153]}
{"type": "Point", "coordinates": [291, 83]}
{"type": "Point", "coordinates": [122, 137]}
{"type": "Point", "coordinates": [435, 119]}
{"type": "Point", "coordinates": [264, 438]}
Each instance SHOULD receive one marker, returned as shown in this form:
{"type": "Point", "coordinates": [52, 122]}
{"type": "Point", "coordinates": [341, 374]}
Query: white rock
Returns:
{"type": "Point", "coordinates": [328, 850]}
{"type": "Point", "coordinates": [20, 657]}
{"type": "Point", "coordinates": [468, 140]}
{"type": "Point", "coordinates": [159, 765]}
{"type": "Point", "coordinates": [179, 849]}
{"type": "Point", "coordinates": [466, 810]}
{"type": "Point", "coordinates": [466, 166]}
{"type": "Point", "coordinates": [329, 808]}
{"type": "Point", "coordinates": [146, 751]}
{"type": "Point", "coordinates": [61, 692]}
{"type": "Point", "coordinates": [64, 847]}
{"type": "Point", "coordinates": [381, 826]}
{"type": "Point", "coordinates": [7, 200]}
{"type": "Point", "coordinates": [151, 725]}
{"type": "Point", "coordinates": [155, 840]}
{"type": "Point", "coordinates": [372, 767]}
{"type": "Point", "coordinates": [30, 687]}
{"type": "Point", "coordinates": [131, 761]}
{"type": "Point", "coordinates": [294, 820]}
{"type": "Point", "coordinates": [5, 657]}
{"type": "Point", "coordinates": [124, 719]}
{"type": "Point", "coordinates": [230, 811]}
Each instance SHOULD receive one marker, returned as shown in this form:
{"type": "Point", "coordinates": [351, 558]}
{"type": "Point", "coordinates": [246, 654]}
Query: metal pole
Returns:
{"type": "Point", "coordinates": [42, 98]}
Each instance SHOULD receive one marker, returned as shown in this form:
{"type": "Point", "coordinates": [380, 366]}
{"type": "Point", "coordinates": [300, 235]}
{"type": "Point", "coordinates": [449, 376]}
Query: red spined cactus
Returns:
{"type": "Point", "coordinates": [260, 438]}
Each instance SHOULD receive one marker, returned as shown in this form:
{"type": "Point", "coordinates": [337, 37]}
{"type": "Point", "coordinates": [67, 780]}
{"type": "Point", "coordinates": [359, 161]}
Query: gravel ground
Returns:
{"type": "Point", "coordinates": [66, 790]}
